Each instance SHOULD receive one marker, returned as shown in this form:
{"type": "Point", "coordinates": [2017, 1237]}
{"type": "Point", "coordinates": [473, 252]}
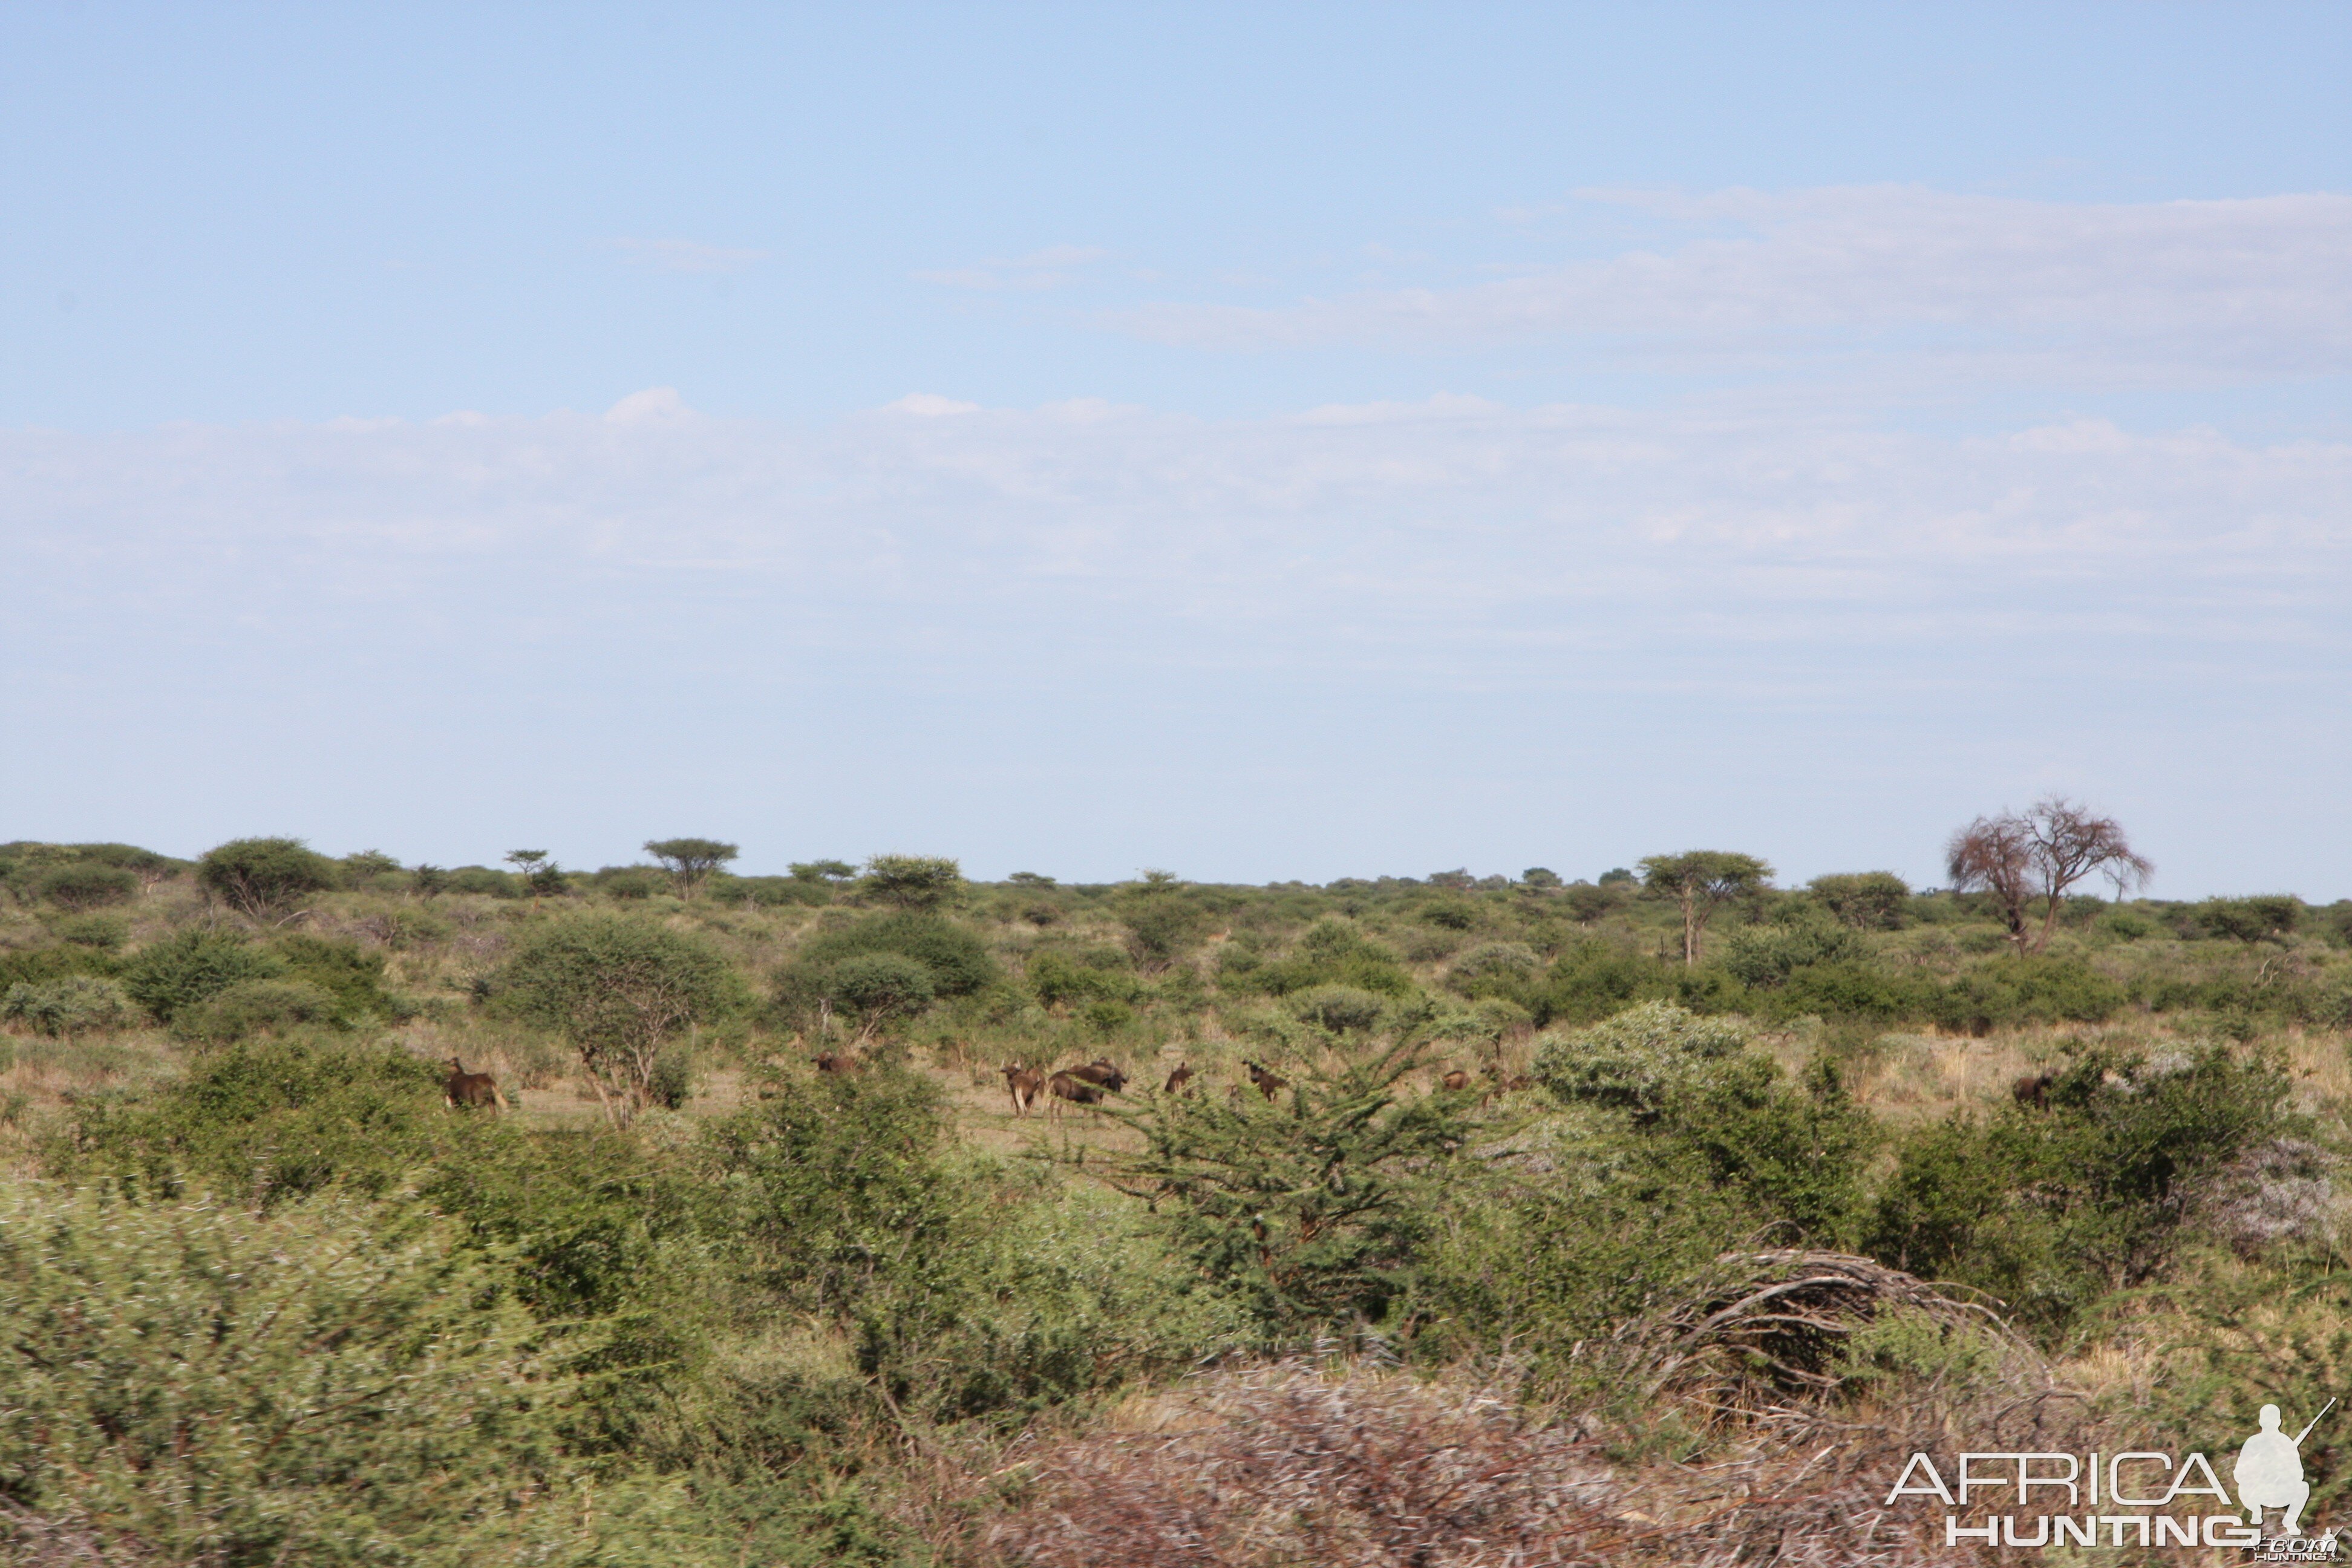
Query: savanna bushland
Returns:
{"type": "Point", "coordinates": [1647, 1217]}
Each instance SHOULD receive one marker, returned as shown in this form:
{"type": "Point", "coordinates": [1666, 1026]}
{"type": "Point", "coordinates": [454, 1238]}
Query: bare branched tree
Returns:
{"type": "Point", "coordinates": [2035, 856]}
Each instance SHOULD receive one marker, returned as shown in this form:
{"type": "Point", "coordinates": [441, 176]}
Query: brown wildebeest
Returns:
{"type": "Point", "coordinates": [1177, 1079]}
{"type": "Point", "coordinates": [1062, 1086]}
{"type": "Point", "coordinates": [464, 1088]}
{"type": "Point", "coordinates": [1101, 1074]}
{"type": "Point", "coordinates": [827, 1061]}
{"type": "Point", "coordinates": [1267, 1084]}
{"type": "Point", "coordinates": [1024, 1084]}
{"type": "Point", "coordinates": [1455, 1082]}
{"type": "Point", "coordinates": [2033, 1089]}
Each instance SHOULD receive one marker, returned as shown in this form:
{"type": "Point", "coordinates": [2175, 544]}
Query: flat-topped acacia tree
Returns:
{"type": "Point", "coordinates": [1702, 882]}
{"type": "Point", "coordinates": [690, 861]}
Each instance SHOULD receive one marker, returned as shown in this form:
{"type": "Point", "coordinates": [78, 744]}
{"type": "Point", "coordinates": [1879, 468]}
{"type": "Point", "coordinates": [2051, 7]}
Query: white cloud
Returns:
{"type": "Point", "coordinates": [930, 405]}
{"type": "Point", "coordinates": [654, 405]}
{"type": "Point", "coordinates": [2162, 291]}
{"type": "Point", "coordinates": [687, 255]}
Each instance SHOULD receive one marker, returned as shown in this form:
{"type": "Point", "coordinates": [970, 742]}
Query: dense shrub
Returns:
{"type": "Point", "coordinates": [1767, 955]}
{"type": "Point", "coordinates": [268, 1122]}
{"type": "Point", "coordinates": [330, 1386]}
{"type": "Point", "coordinates": [70, 1004]}
{"type": "Point", "coordinates": [1334, 952]}
{"type": "Point", "coordinates": [196, 964]}
{"type": "Point", "coordinates": [619, 990]}
{"type": "Point", "coordinates": [1164, 920]}
{"type": "Point", "coordinates": [1868, 900]}
{"type": "Point", "coordinates": [1339, 1008]}
{"type": "Point", "coordinates": [264, 878]}
{"type": "Point", "coordinates": [254, 1007]}
{"type": "Point", "coordinates": [2029, 989]}
{"type": "Point", "coordinates": [349, 975]}
{"type": "Point", "coordinates": [2049, 1207]}
{"type": "Point", "coordinates": [1494, 968]}
{"type": "Point", "coordinates": [87, 887]}
{"type": "Point", "coordinates": [957, 958]}
{"type": "Point", "coordinates": [1062, 975]}
{"type": "Point", "coordinates": [104, 932]}
{"type": "Point", "coordinates": [1796, 1152]}
{"type": "Point", "coordinates": [483, 881]}
{"type": "Point", "coordinates": [1594, 979]}
{"type": "Point", "coordinates": [1306, 1215]}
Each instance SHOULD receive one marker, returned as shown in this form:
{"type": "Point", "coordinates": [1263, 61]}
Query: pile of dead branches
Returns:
{"type": "Point", "coordinates": [1762, 1326]}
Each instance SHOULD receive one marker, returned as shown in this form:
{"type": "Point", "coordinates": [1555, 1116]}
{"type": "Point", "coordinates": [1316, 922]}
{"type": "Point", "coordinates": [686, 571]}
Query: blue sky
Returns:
{"type": "Point", "coordinates": [1265, 442]}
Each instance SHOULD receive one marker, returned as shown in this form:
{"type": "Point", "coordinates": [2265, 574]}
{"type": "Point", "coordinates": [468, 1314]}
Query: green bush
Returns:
{"type": "Point", "coordinates": [1059, 976]}
{"type": "Point", "coordinates": [104, 932]}
{"type": "Point", "coordinates": [71, 1005]}
{"type": "Point", "coordinates": [1767, 955]}
{"type": "Point", "coordinates": [269, 1121]}
{"type": "Point", "coordinates": [87, 887]}
{"type": "Point", "coordinates": [194, 965]}
{"type": "Point", "coordinates": [619, 989]}
{"type": "Point", "coordinates": [2268, 917]}
{"type": "Point", "coordinates": [264, 878]}
{"type": "Point", "coordinates": [1595, 979]}
{"type": "Point", "coordinates": [1164, 920]}
{"type": "Point", "coordinates": [2048, 1208]}
{"type": "Point", "coordinates": [957, 958]}
{"type": "Point", "coordinates": [2031, 989]}
{"type": "Point", "coordinates": [253, 1007]}
{"type": "Point", "coordinates": [1494, 968]}
{"type": "Point", "coordinates": [1307, 1216]}
{"type": "Point", "coordinates": [876, 987]}
{"type": "Point", "coordinates": [1339, 1008]}
{"type": "Point", "coordinates": [483, 881]}
{"type": "Point", "coordinates": [334, 1384]}
{"type": "Point", "coordinates": [1331, 952]}
{"type": "Point", "coordinates": [1868, 901]}
{"type": "Point", "coordinates": [1796, 1153]}
{"type": "Point", "coordinates": [349, 973]}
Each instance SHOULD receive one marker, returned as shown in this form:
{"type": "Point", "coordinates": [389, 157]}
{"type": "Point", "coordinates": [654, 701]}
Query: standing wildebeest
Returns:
{"type": "Point", "coordinates": [464, 1088]}
{"type": "Point", "coordinates": [1101, 1074]}
{"type": "Point", "coordinates": [2033, 1089]}
{"type": "Point", "coordinates": [1064, 1086]}
{"type": "Point", "coordinates": [1267, 1084]}
{"type": "Point", "coordinates": [1024, 1084]}
{"type": "Point", "coordinates": [1177, 1079]}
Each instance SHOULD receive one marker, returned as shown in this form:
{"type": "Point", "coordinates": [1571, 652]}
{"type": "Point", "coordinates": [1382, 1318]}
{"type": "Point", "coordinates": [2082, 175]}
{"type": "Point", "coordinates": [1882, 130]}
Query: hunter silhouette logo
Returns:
{"type": "Point", "coordinates": [2269, 1471]}
{"type": "Point", "coordinates": [2142, 1497]}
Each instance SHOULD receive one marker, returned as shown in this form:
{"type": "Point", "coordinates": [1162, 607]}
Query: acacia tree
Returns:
{"type": "Point", "coordinates": [1702, 882]}
{"type": "Point", "coordinates": [619, 990]}
{"type": "Point", "coordinates": [2020, 857]}
{"type": "Point", "coordinates": [263, 877]}
{"type": "Point", "coordinates": [690, 861]}
{"type": "Point", "coordinates": [913, 881]}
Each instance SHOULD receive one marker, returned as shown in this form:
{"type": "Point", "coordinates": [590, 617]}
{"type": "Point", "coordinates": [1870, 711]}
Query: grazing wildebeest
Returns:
{"type": "Point", "coordinates": [1062, 1086]}
{"type": "Point", "coordinates": [1455, 1082]}
{"type": "Point", "coordinates": [472, 1088]}
{"type": "Point", "coordinates": [1024, 1084]}
{"type": "Point", "coordinates": [2033, 1089]}
{"type": "Point", "coordinates": [827, 1061]}
{"type": "Point", "coordinates": [1101, 1074]}
{"type": "Point", "coordinates": [1177, 1079]}
{"type": "Point", "coordinates": [1267, 1084]}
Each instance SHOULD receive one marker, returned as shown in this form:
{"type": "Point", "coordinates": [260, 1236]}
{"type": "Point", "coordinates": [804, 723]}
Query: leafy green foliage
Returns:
{"type": "Point", "coordinates": [1796, 1153]}
{"type": "Point", "coordinates": [877, 987]}
{"type": "Point", "coordinates": [334, 1384]}
{"type": "Point", "coordinates": [87, 887]}
{"type": "Point", "coordinates": [1334, 952]}
{"type": "Point", "coordinates": [2049, 1207]}
{"type": "Point", "coordinates": [69, 1004]}
{"type": "Point", "coordinates": [2266, 918]}
{"type": "Point", "coordinates": [1307, 1213]}
{"type": "Point", "coordinates": [691, 861]}
{"type": "Point", "coordinates": [264, 878]}
{"type": "Point", "coordinates": [955, 956]}
{"type": "Point", "coordinates": [1062, 975]}
{"type": "Point", "coordinates": [1866, 901]}
{"type": "Point", "coordinates": [1767, 955]}
{"type": "Point", "coordinates": [913, 881]}
{"type": "Point", "coordinates": [254, 1007]}
{"type": "Point", "coordinates": [194, 965]}
{"type": "Point", "coordinates": [1164, 920]}
{"type": "Point", "coordinates": [619, 990]}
